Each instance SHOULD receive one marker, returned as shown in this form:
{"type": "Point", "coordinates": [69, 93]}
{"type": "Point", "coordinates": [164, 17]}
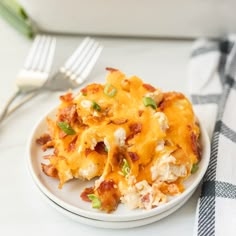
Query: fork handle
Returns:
{"type": "Point", "coordinates": [8, 104]}
{"type": "Point", "coordinates": [22, 102]}
{"type": "Point", "coordinates": [32, 93]}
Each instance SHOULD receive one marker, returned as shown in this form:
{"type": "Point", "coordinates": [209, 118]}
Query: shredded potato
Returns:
{"type": "Point", "coordinates": [140, 142]}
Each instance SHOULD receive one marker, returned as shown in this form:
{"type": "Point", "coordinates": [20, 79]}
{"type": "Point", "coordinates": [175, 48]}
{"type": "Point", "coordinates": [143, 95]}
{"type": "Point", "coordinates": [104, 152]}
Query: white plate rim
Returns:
{"type": "Point", "coordinates": [113, 224]}
{"type": "Point", "coordinates": [119, 217]}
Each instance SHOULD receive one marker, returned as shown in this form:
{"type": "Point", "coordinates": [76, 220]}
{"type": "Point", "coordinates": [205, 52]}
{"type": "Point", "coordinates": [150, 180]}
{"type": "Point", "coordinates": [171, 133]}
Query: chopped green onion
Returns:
{"type": "Point", "coordinates": [64, 126]}
{"type": "Point", "coordinates": [110, 90]}
{"type": "Point", "coordinates": [15, 8]}
{"type": "Point", "coordinates": [194, 168]}
{"type": "Point", "coordinates": [96, 203]}
{"type": "Point", "coordinates": [147, 101]}
{"type": "Point", "coordinates": [84, 94]}
{"type": "Point", "coordinates": [125, 168]}
{"type": "Point", "coordinates": [95, 106]}
{"type": "Point", "coordinates": [12, 12]}
{"type": "Point", "coordinates": [106, 149]}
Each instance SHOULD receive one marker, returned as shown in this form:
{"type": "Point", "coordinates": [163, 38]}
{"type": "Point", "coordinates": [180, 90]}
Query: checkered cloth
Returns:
{"type": "Point", "coordinates": [212, 75]}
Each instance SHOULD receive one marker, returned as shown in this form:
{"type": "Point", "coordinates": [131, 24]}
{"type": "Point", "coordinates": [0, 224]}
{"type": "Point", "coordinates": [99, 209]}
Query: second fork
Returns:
{"type": "Point", "coordinates": [73, 73]}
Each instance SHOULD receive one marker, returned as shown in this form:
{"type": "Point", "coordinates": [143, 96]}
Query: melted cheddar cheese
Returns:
{"type": "Point", "coordinates": [141, 151]}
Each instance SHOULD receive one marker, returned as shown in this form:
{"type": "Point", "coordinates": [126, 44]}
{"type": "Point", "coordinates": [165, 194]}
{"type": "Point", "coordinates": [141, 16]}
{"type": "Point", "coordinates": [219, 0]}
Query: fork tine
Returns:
{"type": "Point", "coordinates": [38, 54]}
{"type": "Point", "coordinates": [32, 51]}
{"type": "Point", "coordinates": [44, 54]}
{"type": "Point", "coordinates": [72, 59]}
{"type": "Point", "coordinates": [48, 62]}
{"type": "Point", "coordinates": [81, 77]}
{"type": "Point", "coordinates": [80, 57]}
{"type": "Point", "coordinates": [86, 60]}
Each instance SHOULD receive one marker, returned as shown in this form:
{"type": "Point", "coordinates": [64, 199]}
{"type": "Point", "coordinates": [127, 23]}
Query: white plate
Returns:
{"type": "Point", "coordinates": [114, 224]}
{"type": "Point", "coordinates": [69, 196]}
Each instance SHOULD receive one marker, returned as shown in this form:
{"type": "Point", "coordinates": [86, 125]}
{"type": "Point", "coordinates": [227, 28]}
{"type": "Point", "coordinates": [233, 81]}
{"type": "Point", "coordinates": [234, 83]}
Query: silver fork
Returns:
{"type": "Point", "coordinates": [72, 74]}
{"type": "Point", "coordinates": [37, 64]}
{"type": "Point", "coordinates": [77, 68]}
{"type": "Point", "coordinates": [35, 70]}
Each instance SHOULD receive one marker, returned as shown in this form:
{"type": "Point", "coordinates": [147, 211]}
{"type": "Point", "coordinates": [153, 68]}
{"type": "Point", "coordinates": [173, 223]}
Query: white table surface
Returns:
{"type": "Point", "coordinates": [22, 210]}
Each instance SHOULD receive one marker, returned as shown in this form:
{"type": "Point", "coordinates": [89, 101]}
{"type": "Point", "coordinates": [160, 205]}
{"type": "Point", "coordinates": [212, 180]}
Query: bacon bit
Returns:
{"type": "Point", "coordinates": [140, 112]}
{"type": "Point", "coordinates": [43, 139]}
{"type": "Point", "coordinates": [162, 105]}
{"type": "Point", "coordinates": [46, 142]}
{"type": "Point", "coordinates": [68, 97]}
{"type": "Point", "coordinates": [135, 128]}
{"type": "Point", "coordinates": [195, 145]}
{"type": "Point", "coordinates": [106, 185]}
{"type": "Point", "coordinates": [72, 146]}
{"type": "Point", "coordinates": [168, 98]}
{"type": "Point", "coordinates": [48, 157]}
{"type": "Point", "coordinates": [168, 143]}
{"type": "Point", "coordinates": [111, 69]}
{"type": "Point", "coordinates": [87, 151]}
{"type": "Point", "coordinates": [91, 89]}
{"type": "Point", "coordinates": [133, 156]}
{"type": "Point", "coordinates": [149, 87]}
{"type": "Point", "coordinates": [84, 90]}
{"type": "Point", "coordinates": [164, 102]}
{"type": "Point", "coordinates": [146, 198]}
{"type": "Point", "coordinates": [119, 121]}
{"type": "Point", "coordinates": [117, 158]}
{"type": "Point", "coordinates": [49, 170]}
{"type": "Point", "coordinates": [49, 144]}
{"type": "Point", "coordinates": [84, 194]}
{"type": "Point", "coordinates": [68, 114]}
{"type": "Point", "coordinates": [100, 148]}
{"type": "Point", "coordinates": [62, 134]}
{"type": "Point", "coordinates": [109, 195]}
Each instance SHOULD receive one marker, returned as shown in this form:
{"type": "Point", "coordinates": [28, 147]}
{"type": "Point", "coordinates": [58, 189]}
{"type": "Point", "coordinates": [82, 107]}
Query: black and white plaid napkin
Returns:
{"type": "Point", "coordinates": [212, 75]}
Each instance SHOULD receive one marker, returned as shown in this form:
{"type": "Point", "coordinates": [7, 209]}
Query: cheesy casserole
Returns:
{"type": "Point", "coordinates": [138, 142]}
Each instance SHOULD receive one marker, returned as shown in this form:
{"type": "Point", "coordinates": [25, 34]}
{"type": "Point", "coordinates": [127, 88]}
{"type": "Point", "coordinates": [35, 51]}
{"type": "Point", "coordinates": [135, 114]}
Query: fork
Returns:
{"type": "Point", "coordinates": [72, 74]}
{"type": "Point", "coordinates": [77, 68]}
{"type": "Point", "coordinates": [35, 70]}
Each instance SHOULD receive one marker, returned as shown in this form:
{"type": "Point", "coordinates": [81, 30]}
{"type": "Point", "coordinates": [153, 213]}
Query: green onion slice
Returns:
{"type": "Point", "coordinates": [110, 90]}
{"type": "Point", "coordinates": [125, 168]}
{"type": "Point", "coordinates": [194, 168]}
{"type": "Point", "coordinates": [12, 12]}
{"type": "Point", "coordinates": [64, 126]}
{"type": "Point", "coordinates": [95, 106]}
{"type": "Point", "coordinates": [106, 149]}
{"type": "Point", "coordinates": [147, 101]}
{"type": "Point", "coordinates": [96, 203]}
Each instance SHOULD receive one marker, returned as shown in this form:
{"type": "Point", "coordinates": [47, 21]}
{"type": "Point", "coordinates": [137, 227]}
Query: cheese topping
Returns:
{"type": "Point", "coordinates": [140, 142]}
